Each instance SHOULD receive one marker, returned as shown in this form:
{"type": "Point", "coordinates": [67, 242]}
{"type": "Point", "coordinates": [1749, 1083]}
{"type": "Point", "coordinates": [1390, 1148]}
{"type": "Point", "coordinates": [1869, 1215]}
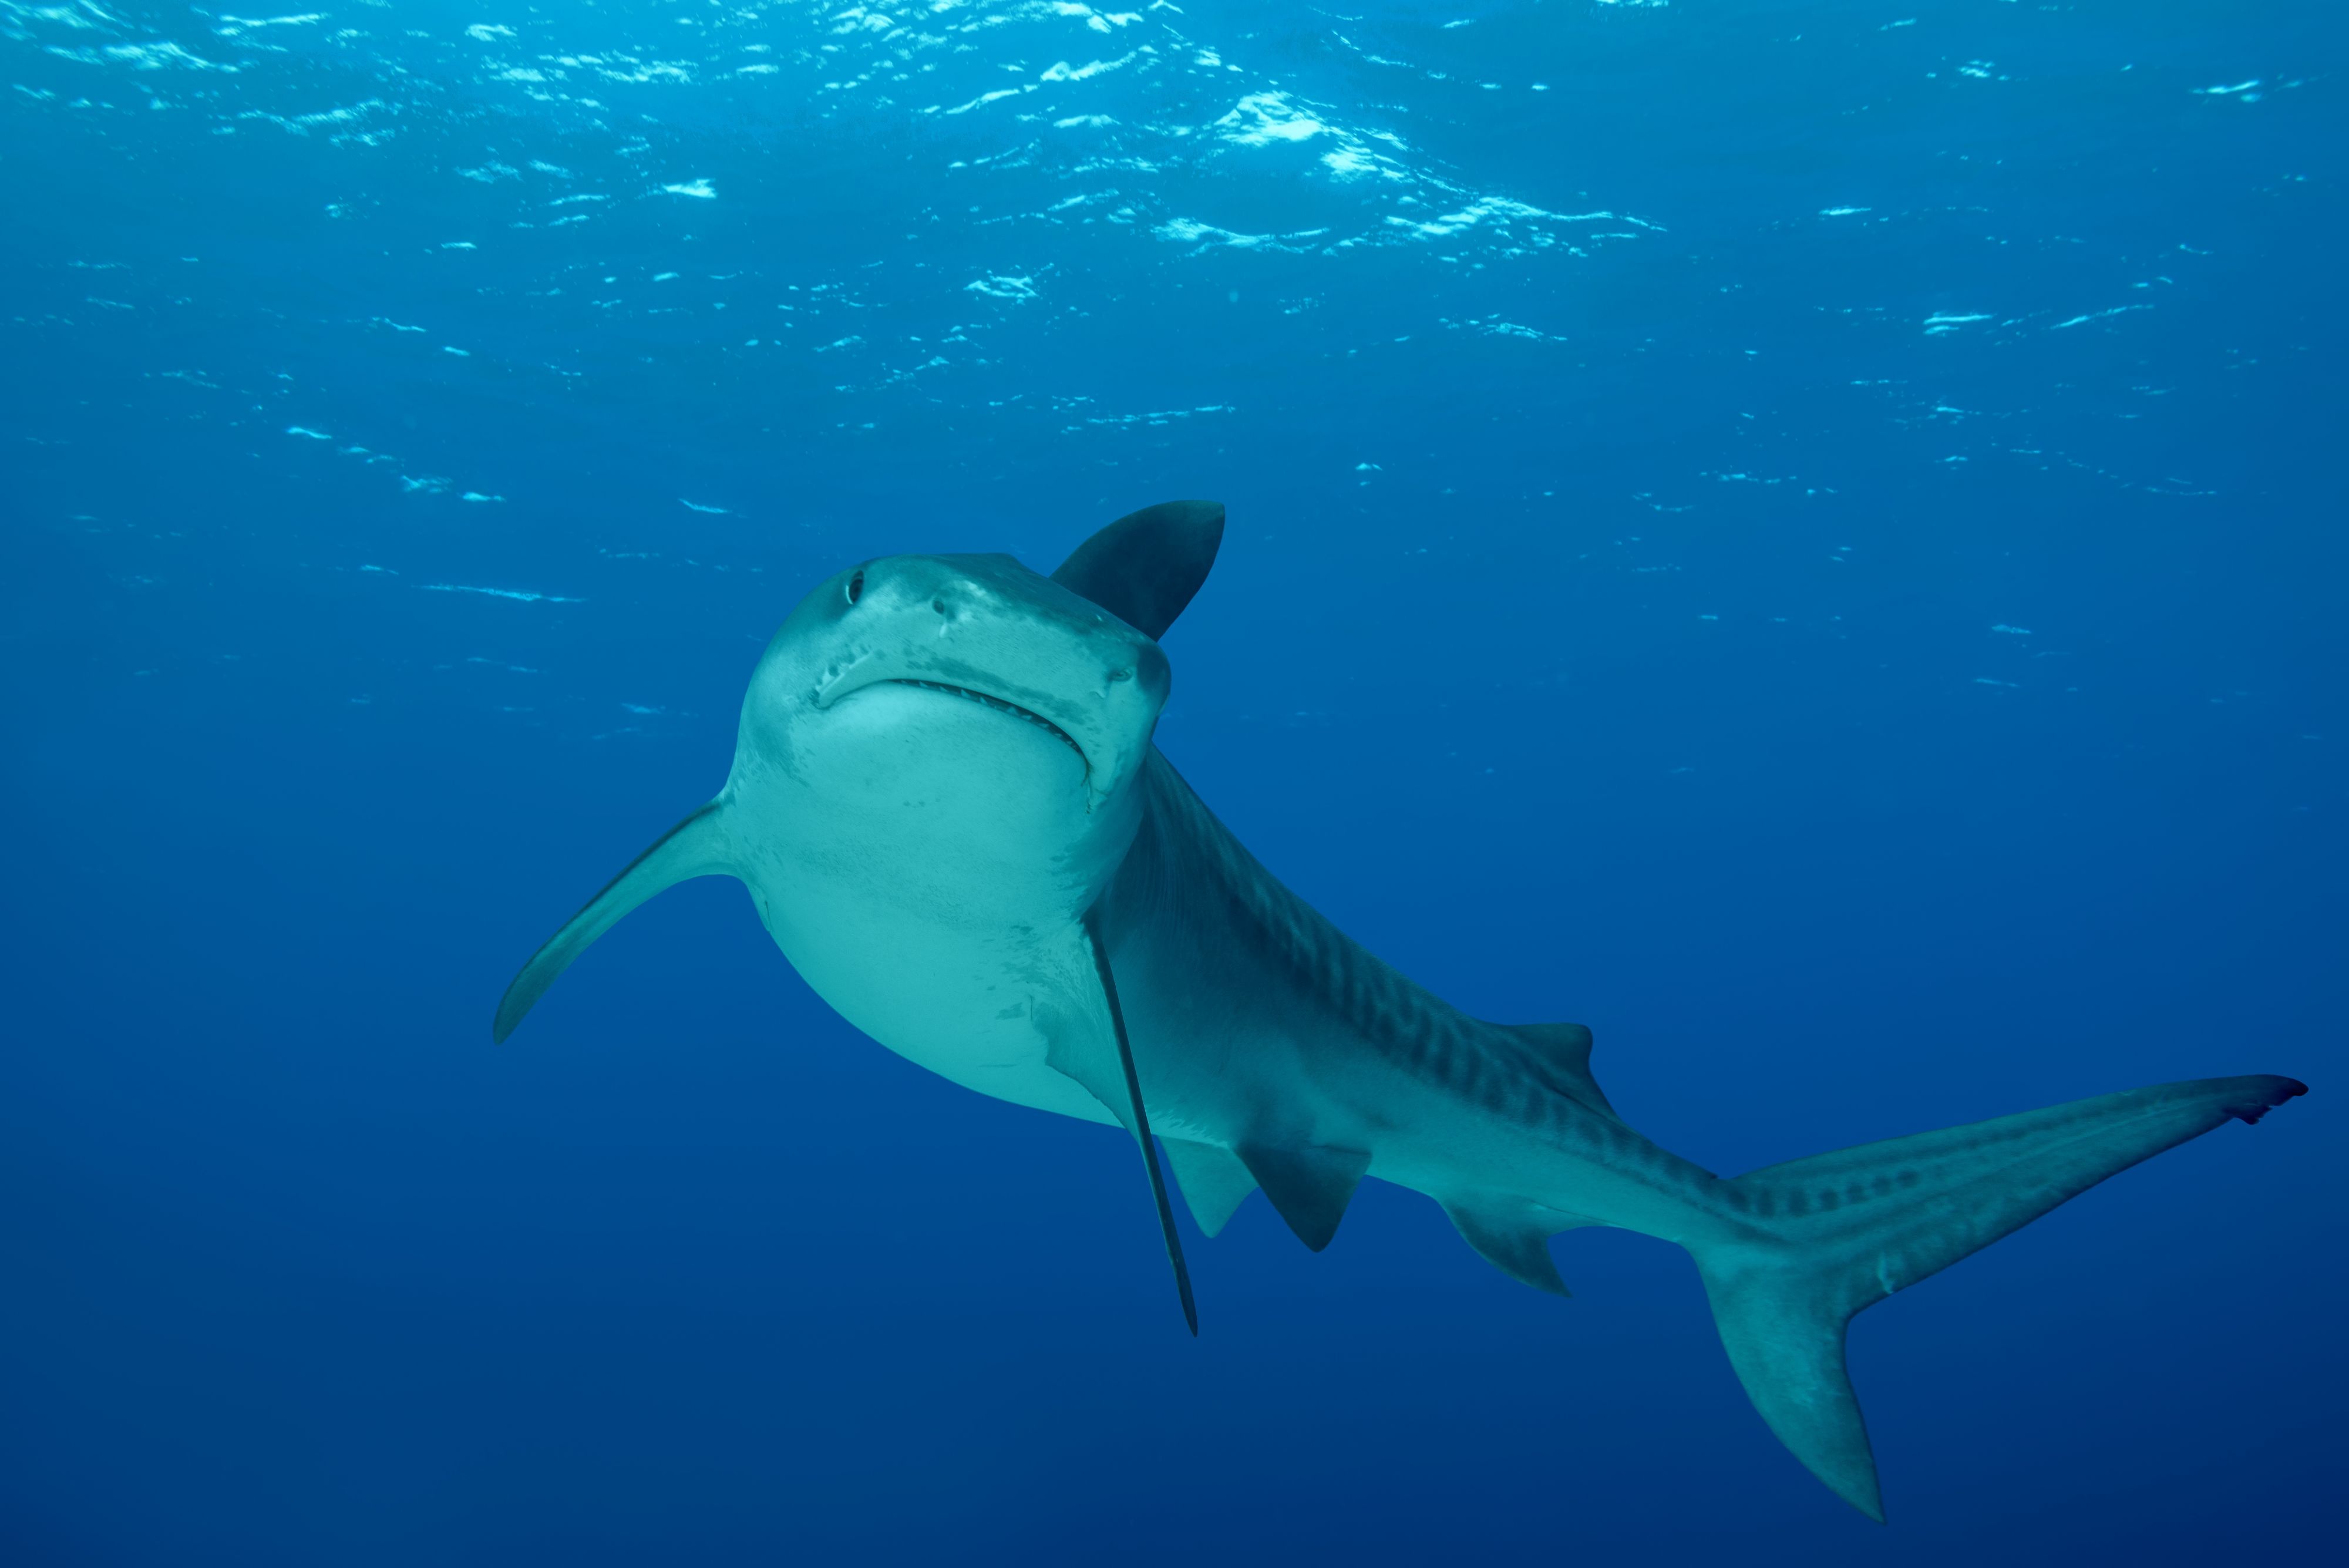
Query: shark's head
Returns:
{"type": "Point", "coordinates": [952, 736]}
{"type": "Point", "coordinates": [972, 668]}
{"type": "Point", "coordinates": [960, 726]}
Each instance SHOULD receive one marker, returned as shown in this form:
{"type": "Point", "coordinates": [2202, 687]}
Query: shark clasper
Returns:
{"type": "Point", "coordinates": [948, 810]}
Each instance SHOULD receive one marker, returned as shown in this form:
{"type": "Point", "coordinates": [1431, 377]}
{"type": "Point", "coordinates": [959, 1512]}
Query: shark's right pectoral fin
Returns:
{"type": "Point", "coordinates": [698, 847]}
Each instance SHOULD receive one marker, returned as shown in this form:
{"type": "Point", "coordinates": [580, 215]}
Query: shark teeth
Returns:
{"type": "Point", "coordinates": [1000, 706]}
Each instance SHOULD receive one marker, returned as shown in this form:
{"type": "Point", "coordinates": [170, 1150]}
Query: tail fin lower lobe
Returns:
{"type": "Point", "coordinates": [1828, 1236]}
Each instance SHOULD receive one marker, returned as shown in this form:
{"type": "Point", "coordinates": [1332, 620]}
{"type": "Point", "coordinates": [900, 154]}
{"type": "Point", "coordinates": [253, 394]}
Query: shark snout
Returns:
{"type": "Point", "coordinates": [987, 629]}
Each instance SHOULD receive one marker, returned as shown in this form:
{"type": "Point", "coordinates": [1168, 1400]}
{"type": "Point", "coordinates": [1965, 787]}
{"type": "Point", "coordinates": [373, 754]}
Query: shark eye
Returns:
{"type": "Point", "coordinates": [855, 586]}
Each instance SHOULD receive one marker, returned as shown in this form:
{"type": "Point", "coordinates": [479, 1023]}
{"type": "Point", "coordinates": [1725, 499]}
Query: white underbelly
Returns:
{"type": "Point", "coordinates": [974, 1007]}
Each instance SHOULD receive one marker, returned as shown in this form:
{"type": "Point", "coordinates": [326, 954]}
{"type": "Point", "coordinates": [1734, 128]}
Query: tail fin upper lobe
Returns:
{"type": "Point", "coordinates": [1832, 1234]}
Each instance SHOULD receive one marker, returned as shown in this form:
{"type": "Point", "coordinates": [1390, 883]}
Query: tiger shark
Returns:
{"type": "Point", "coordinates": [949, 812]}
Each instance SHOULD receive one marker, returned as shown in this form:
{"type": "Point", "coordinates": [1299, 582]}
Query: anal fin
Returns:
{"type": "Point", "coordinates": [1513, 1237]}
{"type": "Point", "coordinates": [1309, 1186]}
{"type": "Point", "coordinates": [1214, 1180]}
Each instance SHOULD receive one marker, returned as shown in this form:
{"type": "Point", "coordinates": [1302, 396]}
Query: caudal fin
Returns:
{"type": "Point", "coordinates": [1828, 1236]}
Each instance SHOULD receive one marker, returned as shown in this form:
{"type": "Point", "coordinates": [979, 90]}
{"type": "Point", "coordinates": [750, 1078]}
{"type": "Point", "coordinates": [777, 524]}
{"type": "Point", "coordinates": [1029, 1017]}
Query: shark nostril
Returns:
{"type": "Point", "coordinates": [1120, 675]}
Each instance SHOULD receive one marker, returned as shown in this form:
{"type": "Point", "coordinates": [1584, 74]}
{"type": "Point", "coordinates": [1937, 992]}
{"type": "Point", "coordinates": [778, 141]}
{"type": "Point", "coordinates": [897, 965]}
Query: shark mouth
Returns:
{"type": "Point", "coordinates": [1000, 706]}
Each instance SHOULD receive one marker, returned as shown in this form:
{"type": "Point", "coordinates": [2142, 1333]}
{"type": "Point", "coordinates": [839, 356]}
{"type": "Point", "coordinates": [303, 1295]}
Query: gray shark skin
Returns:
{"type": "Point", "coordinates": [950, 816]}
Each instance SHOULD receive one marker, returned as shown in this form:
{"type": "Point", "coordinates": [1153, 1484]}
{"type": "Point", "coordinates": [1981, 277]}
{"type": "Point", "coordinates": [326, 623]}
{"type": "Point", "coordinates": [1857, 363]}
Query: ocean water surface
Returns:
{"type": "Point", "coordinates": [1807, 536]}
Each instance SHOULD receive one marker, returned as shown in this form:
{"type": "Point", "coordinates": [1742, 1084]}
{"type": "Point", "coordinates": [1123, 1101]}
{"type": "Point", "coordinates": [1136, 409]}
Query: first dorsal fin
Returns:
{"type": "Point", "coordinates": [1144, 567]}
{"type": "Point", "coordinates": [1563, 1050]}
{"type": "Point", "coordinates": [1309, 1186]}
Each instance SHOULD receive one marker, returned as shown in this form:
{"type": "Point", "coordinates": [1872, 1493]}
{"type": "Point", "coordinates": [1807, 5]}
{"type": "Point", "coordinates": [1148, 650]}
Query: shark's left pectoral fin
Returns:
{"type": "Point", "coordinates": [1108, 1076]}
{"type": "Point", "coordinates": [698, 847]}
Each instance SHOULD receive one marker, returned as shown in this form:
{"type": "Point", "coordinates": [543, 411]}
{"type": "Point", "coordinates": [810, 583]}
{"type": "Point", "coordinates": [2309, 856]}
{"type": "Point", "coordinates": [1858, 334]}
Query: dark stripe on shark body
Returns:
{"type": "Point", "coordinates": [1418, 1032]}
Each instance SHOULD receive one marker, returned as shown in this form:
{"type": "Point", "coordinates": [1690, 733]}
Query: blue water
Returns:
{"type": "Point", "coordinates": [1807, 536]}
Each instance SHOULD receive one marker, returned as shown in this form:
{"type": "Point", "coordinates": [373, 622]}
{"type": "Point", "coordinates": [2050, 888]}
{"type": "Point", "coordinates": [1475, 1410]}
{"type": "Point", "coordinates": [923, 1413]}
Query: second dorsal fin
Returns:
{"type": "Point", "coordinates": [1563, 1051]}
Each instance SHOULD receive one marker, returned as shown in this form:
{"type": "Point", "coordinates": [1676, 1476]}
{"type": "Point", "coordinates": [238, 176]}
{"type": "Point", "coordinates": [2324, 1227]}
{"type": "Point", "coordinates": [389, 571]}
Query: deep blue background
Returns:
{"type": "Point", "coordinates": [1652, 673]}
